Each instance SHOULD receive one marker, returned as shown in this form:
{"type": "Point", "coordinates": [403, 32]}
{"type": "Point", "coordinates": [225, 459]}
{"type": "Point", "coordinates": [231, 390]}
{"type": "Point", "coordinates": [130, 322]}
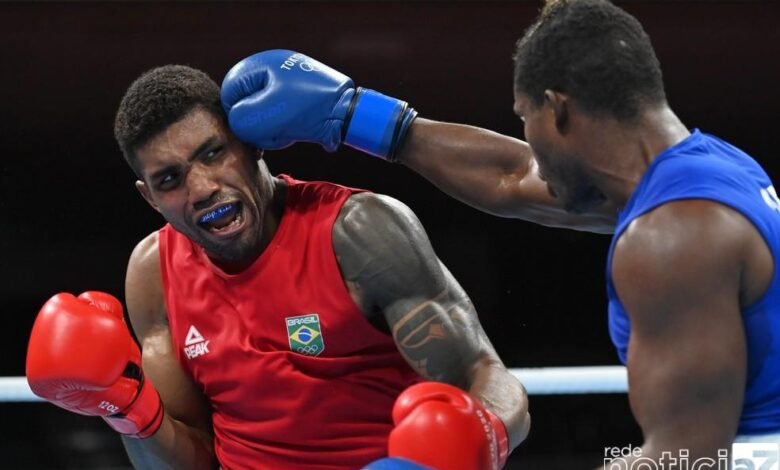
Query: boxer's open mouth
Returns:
{"type": "Point", "coordinates": [222, 220]}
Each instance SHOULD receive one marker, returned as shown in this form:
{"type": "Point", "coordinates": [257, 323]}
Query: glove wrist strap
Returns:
{"type": "Point", "coordinates": [377, 124]}
{"type": "Point", "coordinates": [143, 417]}
{"type": "Point", "coordinates": [502, 438]}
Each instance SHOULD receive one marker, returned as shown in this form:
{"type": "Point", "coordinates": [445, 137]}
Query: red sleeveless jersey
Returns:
{"type": "Point", "coordinates": [295, 374]}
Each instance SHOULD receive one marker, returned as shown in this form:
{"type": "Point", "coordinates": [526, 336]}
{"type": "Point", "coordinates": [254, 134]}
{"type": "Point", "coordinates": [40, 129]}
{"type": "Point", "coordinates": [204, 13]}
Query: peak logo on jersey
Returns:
{"type": "Point", "coordinates": [195, 344]}
{"type": "Point", "coordinates": [305, 334]}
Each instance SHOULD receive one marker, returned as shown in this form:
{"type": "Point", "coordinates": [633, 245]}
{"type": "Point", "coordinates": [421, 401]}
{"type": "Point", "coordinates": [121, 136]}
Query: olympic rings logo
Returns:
{"type": "Point", "coordinates": [307, 66]}
{"type": "Point", "coordinates": [310, 350]}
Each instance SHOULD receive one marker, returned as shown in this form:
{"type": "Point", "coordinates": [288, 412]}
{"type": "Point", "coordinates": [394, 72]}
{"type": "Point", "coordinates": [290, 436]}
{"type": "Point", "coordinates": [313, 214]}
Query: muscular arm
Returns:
{"type": "Point", "coordinates": [493, 173]}
{"type": "Point", "coordinates": [388, 262]}
{"type": "Point", "coordinates": [681, 273]}
{"type": "Point", "coordinates": [184, 439]}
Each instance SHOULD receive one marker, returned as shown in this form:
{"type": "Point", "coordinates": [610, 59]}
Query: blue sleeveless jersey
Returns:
{"type": "Point", "coordinates": [705, 167]}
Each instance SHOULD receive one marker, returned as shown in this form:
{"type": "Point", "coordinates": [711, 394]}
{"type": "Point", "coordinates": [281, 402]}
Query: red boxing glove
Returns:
{"type": "Point", "coordinates": [81, 357]}
{"type": "Point", "coordinates": [446, 428]}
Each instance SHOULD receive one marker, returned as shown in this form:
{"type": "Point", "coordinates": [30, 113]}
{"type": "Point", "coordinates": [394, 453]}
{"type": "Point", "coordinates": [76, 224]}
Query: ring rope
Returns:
{"type": "Point", "coordinates": [537, 381]}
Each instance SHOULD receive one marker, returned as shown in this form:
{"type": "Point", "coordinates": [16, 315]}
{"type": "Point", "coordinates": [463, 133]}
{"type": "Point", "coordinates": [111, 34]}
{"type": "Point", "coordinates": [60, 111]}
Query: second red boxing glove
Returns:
{"type": "Point", "coordinates": [446, 428]}
{"type": "Point", "coordinates": [81, 357]}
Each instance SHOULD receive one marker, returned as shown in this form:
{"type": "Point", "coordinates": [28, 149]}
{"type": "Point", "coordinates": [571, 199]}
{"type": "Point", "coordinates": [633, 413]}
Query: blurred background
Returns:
{"type": "Point", "coordinates": [72, 215]}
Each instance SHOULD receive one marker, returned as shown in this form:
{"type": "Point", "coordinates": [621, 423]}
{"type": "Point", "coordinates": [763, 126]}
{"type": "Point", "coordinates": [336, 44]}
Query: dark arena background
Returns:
{"type": "Point", "coordinates": [71, 215]}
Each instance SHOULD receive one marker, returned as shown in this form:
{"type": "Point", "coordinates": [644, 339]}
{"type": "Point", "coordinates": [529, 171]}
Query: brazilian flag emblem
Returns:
{"type": "Point", "coordinates": [305, 335]}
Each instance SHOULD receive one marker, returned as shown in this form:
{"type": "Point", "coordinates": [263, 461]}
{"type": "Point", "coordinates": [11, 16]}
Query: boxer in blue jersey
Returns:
{"type": "Point", "coordinates": [694, 295]}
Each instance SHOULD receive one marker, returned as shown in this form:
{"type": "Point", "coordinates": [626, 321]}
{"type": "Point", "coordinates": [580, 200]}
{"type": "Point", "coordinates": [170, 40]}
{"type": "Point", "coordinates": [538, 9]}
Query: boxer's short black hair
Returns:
{"type": "Point", "coordinates": [593, 51]}
{"type": "Point", "coordinates": [159, 98]}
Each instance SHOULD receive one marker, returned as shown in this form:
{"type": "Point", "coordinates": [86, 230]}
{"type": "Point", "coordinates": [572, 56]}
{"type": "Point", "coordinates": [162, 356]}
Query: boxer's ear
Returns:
{"type": "Point", "coordinates": [559, 106]}
{"type": "Point", "coordinates": [146, 194]}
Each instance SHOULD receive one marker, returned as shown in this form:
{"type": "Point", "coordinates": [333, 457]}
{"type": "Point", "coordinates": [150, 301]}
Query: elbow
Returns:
{"type": "Point", "coordinates": [503, 394]}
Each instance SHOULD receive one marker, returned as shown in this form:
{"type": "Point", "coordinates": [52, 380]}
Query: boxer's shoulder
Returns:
{"type": "Point", "coordinates": [380, 245]}
{"type": "Point", "coordinates": [688, 254]}
{"type": "Point", "coordinates": [364, 214]}
{"type": "Point", "coordinates": [370, 235]}
{"type": "Point", "coordinates": [686, 225]}
{"type": "Point", "coordinates": [144, 264]}
{"type": "Point", "coordinates": [378, 228]}
{"type": "Point", "coordinates": [147, 248]}
{"type": "Point", "coordinates": [143, 286]}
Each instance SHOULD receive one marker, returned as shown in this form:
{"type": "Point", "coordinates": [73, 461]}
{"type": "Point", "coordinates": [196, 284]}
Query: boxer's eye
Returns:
{"type": "Point", "coordinates": [167, 181]}
{"type": "Point", "coordinates": [214, 153]}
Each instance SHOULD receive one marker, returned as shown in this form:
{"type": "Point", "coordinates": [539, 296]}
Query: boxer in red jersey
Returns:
{"type": "Point", "coordinates": [279, 320]}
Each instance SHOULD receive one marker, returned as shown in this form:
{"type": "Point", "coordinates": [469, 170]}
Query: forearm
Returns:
{"type": "Point", "coordinates": [493, 173]}
{"type": "Point", "coordinates": [474, 165]}
{"type": "Point", "coordinates": [504, 396]}
{"type": "Point", "coordinates": [174, 446]}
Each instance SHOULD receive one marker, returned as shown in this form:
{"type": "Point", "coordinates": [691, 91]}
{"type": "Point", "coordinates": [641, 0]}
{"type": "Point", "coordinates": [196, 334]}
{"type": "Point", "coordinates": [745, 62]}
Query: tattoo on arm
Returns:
{"type": "Point", "coordinates": [418, 334]}
{"type": "Point", "coordinates": [393, 274]}
{"type": "Point", "coordinates": [385, 256]}
{"type": "Point", "coordinates": [440, 337]}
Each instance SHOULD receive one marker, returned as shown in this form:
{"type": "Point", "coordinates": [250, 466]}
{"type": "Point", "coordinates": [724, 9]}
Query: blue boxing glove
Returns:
{"type": "Point", "coordinates": [276, 98]}
{"type": "Point", "coordinates": [394, 463]}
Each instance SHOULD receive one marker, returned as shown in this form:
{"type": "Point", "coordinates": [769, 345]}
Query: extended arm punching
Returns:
{"type": "Point", "coordinates": [386, 258]}
{"type": "Point", "coordinates": [489, 171]}
{"type": "Point", "coordinates": [492, 172]}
